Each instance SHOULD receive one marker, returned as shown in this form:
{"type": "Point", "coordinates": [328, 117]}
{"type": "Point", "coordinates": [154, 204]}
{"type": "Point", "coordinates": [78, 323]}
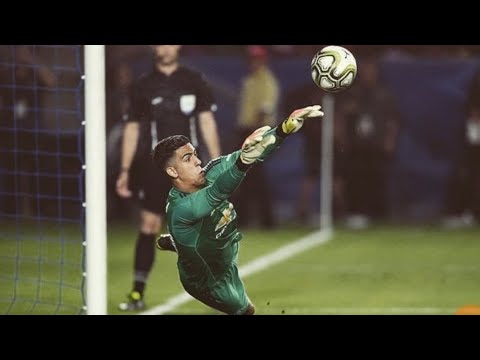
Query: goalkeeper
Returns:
{"type": "Point", "coordinates": [201, 220]}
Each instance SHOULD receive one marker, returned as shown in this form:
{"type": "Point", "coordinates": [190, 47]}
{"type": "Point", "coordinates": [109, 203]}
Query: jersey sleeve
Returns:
{"type": "Point", "coordinates": [217, 166]}
{"type": "Point", "coordinates": [200, 203]}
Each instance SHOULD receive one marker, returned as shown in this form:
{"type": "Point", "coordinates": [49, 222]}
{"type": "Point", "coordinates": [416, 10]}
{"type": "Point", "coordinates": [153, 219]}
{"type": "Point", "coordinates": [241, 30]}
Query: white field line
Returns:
{"type": "Point", "coordinates": [259, 264]}
{"type": "Point", "coordinates": [396, 310]}
{"type": "Point", "coordinates": [382, 310]}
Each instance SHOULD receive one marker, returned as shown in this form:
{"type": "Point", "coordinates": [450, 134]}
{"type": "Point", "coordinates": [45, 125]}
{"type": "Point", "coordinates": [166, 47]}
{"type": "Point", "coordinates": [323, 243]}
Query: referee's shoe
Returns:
{"type": "Point", "coordinates": [134, 302]}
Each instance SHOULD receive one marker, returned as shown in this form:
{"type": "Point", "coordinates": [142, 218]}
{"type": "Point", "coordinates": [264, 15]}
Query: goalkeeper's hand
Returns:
{"type": "Point", "coordinates": [255, 144]}
{"type": "Point", "coordinates": [165, 242]}
{"type": "Point", "coordinates": [296, 118]}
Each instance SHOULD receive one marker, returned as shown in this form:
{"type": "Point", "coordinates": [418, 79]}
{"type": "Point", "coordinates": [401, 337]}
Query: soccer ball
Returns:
{"type": "Point", "coordinates": [334, 68]}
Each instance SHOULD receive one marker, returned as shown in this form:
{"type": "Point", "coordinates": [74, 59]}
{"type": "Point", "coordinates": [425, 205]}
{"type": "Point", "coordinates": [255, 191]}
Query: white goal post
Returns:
{"type": "Point", "coordinates": [326, 172]}
{"type": "Point", "coordinates": [95, 175]}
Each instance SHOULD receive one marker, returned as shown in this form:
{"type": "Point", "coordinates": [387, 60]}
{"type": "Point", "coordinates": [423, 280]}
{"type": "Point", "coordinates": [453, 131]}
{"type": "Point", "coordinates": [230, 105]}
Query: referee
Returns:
{"type": "Point", "coordinates": [170, 100]}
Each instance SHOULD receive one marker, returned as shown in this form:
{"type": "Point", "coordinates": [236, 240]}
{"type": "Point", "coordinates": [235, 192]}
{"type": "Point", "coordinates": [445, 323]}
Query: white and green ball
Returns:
{"type": "Point", "coordinates": [334, 68]}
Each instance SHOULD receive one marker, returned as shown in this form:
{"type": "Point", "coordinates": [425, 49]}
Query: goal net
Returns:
{"type": "Point", "coordinates": [42, 200]}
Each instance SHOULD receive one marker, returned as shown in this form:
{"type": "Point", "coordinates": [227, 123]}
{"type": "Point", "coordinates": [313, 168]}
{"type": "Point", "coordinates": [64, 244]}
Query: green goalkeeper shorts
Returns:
{"type": "Point", "coordinates": [228, 295]}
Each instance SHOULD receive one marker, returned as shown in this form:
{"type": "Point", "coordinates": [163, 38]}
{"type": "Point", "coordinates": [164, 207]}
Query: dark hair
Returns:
{"type": "Point", "coordinates": [165, 149]}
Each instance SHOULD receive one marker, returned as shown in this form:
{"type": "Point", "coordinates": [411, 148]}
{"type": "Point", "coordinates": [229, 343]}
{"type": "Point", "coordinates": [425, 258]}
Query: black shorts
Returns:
{"type": "Point", "coordinates": [153, 187]}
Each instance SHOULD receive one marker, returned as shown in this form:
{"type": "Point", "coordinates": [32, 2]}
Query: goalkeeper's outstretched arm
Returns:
{"type": "Point", "coordinates": [263, 141]}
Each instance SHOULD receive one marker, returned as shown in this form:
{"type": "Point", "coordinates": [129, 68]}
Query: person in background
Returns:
{"type": "Point", "coordinates": [369, 119]}
{"type": "Point", "coordinates": [258, 107]}
{"type": "Point", "coordinates": [20, 103]}
{"type": "Point", "coordinates": [312, 134]}
{"type": "Point", "coordinates": [463, 197]}
{"type": "Point", "coordinates": [172, 99]}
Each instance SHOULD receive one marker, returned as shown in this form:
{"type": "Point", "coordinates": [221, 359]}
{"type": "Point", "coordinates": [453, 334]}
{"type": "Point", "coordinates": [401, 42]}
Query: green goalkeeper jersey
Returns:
{"type": "Point", "coordinates": [203, 223]}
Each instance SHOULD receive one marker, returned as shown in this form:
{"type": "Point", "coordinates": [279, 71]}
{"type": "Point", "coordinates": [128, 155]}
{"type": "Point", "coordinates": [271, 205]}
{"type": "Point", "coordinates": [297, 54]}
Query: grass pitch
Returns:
{"type": "Point", "coordinates": [382, 270]}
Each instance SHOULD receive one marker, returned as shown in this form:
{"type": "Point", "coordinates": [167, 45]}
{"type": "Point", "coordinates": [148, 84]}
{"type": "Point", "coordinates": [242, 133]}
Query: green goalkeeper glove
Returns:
{"type": "Point", "coordinates": [296, 118]}
{"type": "Point", "coordinates": [254, 145]}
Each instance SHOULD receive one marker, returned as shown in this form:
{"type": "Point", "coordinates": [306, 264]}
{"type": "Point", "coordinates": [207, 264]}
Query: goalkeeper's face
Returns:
{"type": "Point", "coordinates": [185, 169]}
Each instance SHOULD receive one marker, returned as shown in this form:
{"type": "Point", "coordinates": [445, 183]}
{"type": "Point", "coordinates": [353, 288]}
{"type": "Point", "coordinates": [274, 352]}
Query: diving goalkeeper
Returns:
{"type": "Point", "coordinates": [201, 220]}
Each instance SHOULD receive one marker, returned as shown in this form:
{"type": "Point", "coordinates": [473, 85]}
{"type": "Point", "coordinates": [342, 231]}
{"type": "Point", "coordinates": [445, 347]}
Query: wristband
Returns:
{"type": "Point", "coordinates": [280, 133]}
{"type": "Point", "coordinates": [241, 165]}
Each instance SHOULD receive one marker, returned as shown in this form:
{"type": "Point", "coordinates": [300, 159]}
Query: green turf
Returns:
{"type": "Point", "coordinates": [164, 282]}
{"type": "Point", "coordinates": [382, 270]}
{"type": "Point", "coordinates": [379, 271]}
{"type": "Point", "coordinates": [40, 268]}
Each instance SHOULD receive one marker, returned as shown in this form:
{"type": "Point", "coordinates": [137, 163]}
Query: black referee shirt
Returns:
{"type": "Point", "coordinates": [169, 105]}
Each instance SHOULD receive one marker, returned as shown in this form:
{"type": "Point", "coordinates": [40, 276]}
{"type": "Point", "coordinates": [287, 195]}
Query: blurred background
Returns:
{"type": "Point", "coordinates": [402, 142]}
{"type": "Point", "coordinates": [406, 182]}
